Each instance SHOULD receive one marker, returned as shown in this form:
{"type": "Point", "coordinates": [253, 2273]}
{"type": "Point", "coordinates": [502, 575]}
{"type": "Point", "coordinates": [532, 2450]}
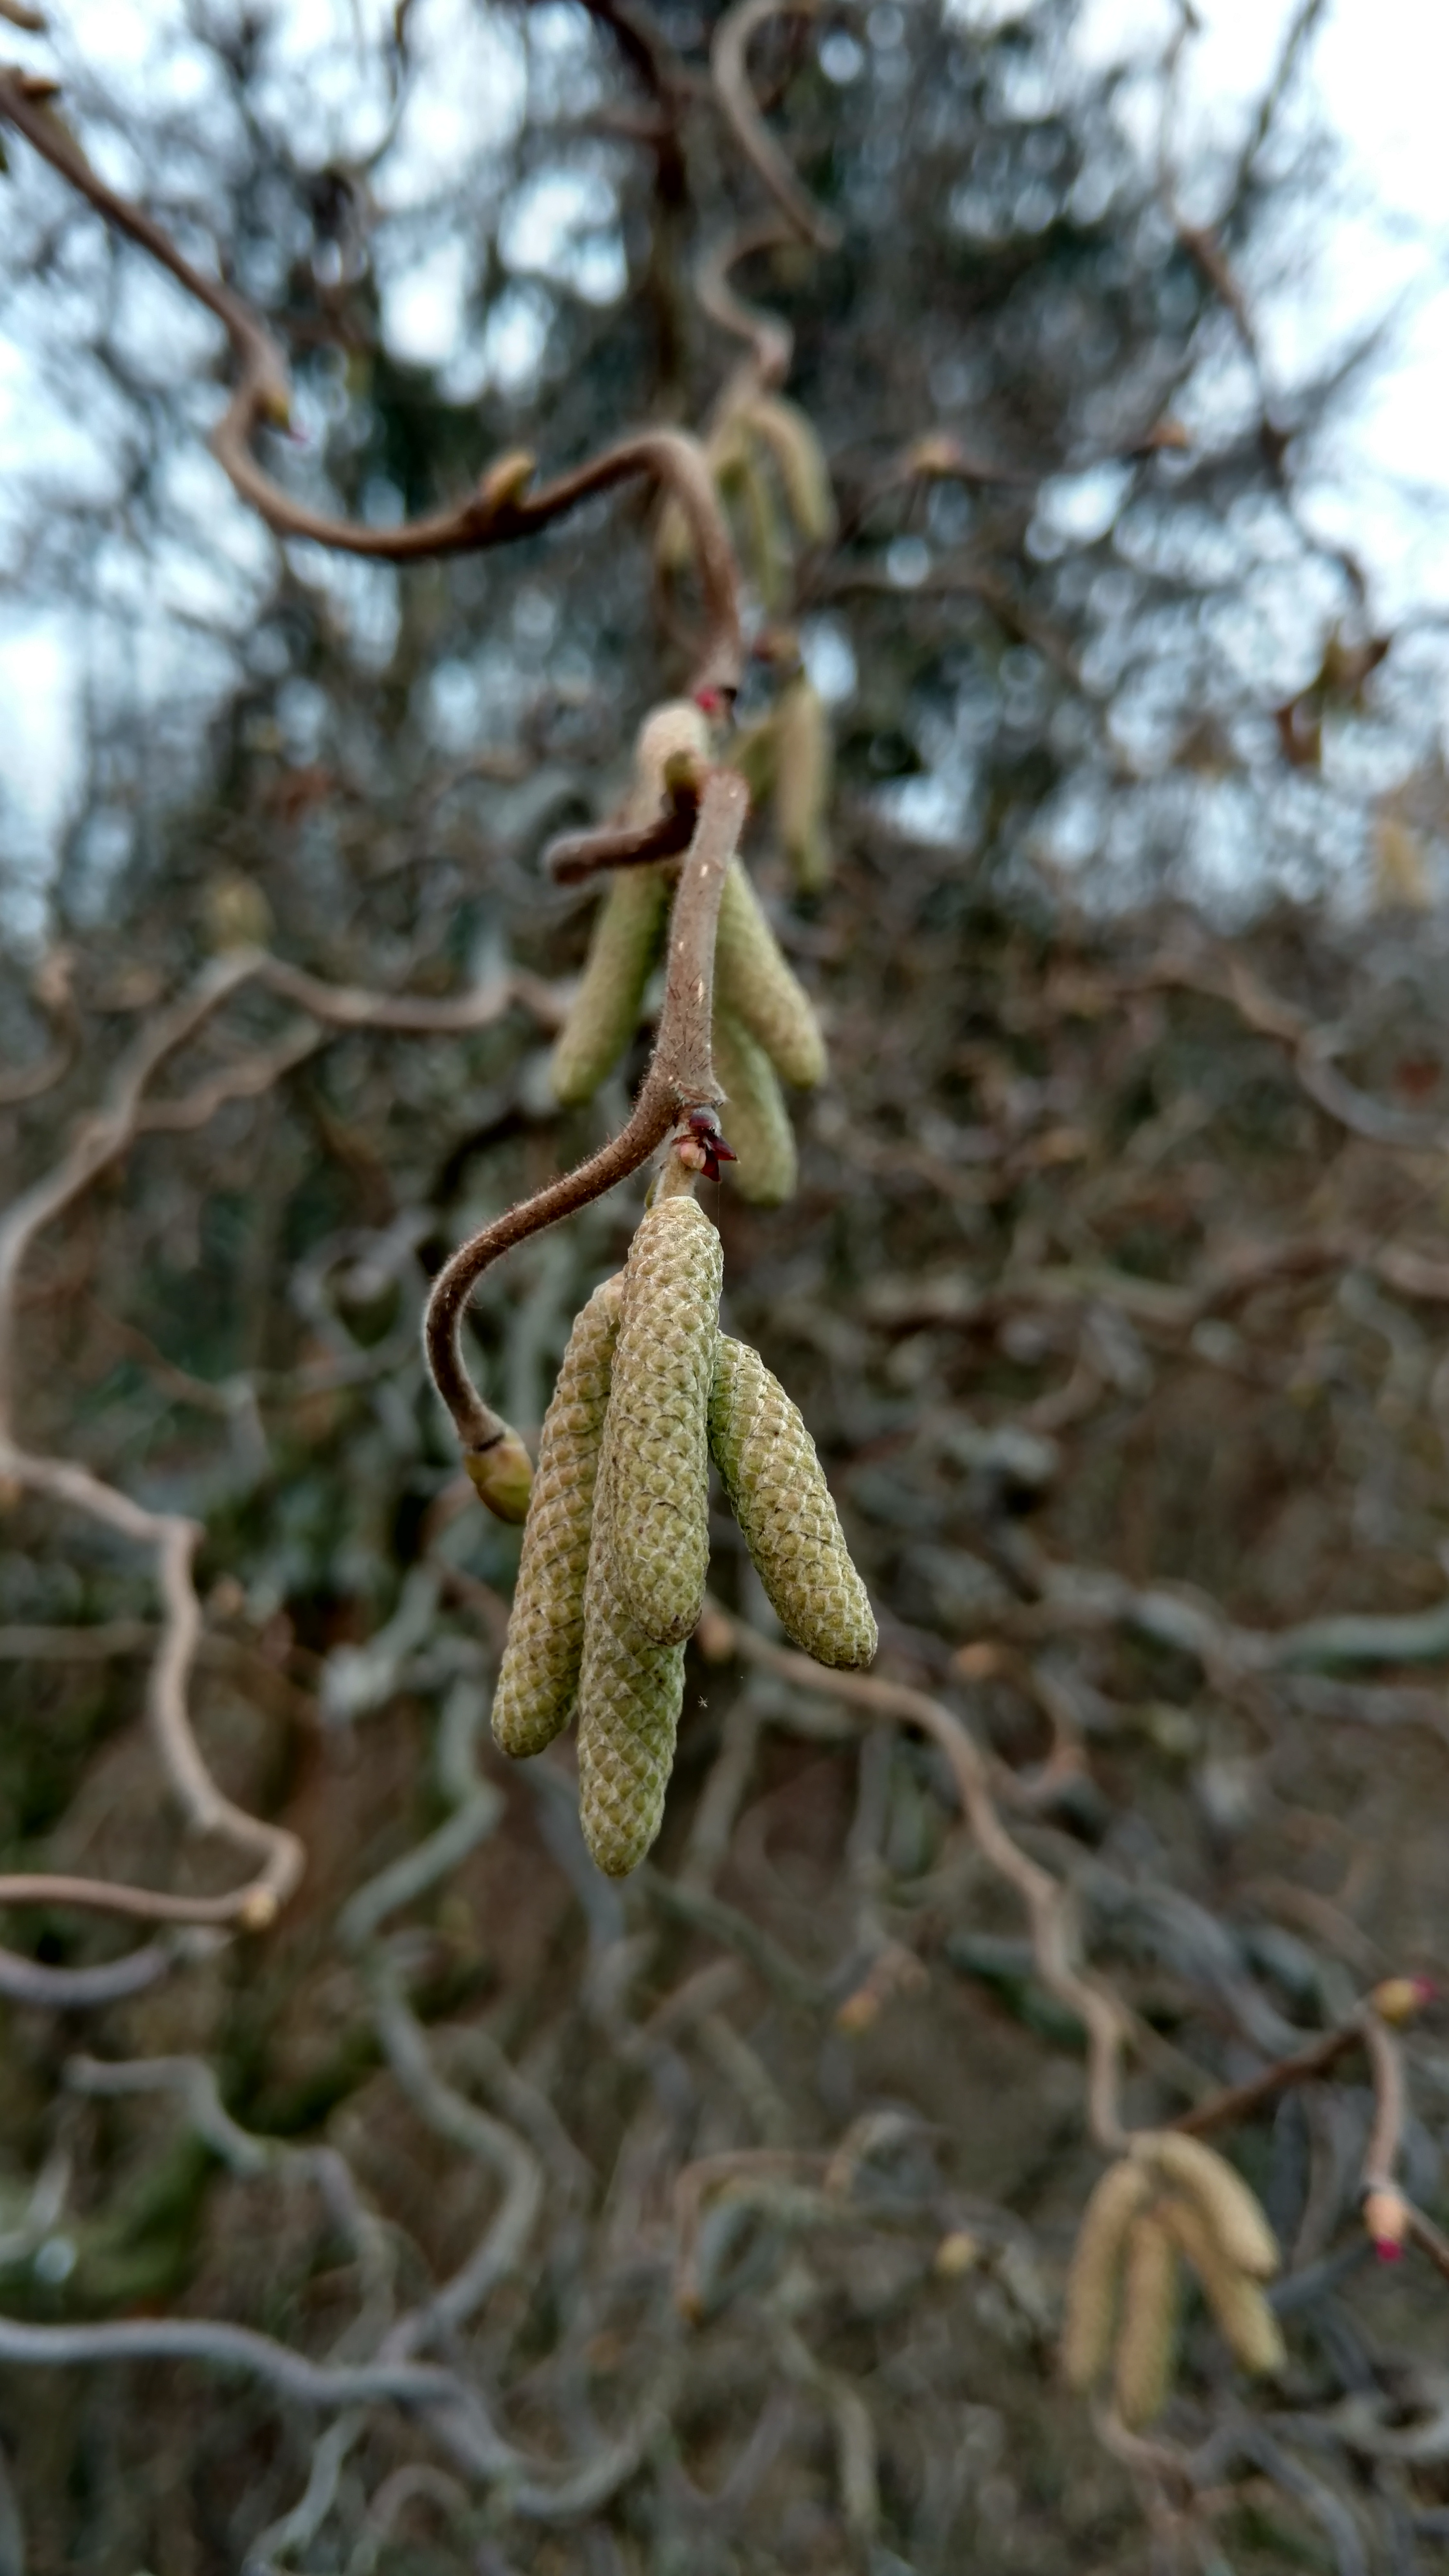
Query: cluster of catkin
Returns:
{"type": "Point", "coordinates": [764, 1030]}
{"type": "Point", "coordinates": [770, 471]}
{"type": "Point", "coordinates": [1170, 2200]}
{"type": "Point", "coordinates": [616, 1544]}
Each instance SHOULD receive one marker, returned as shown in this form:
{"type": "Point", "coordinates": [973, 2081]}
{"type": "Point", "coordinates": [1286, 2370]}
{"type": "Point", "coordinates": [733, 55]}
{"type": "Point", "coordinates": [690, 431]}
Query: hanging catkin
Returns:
{"type": "Point", "coordinates": [1147, 2345]}
{"type": "Point", "coordinates": [1244, 2319]}
{"type": "Point", "coordinates": [755, 985]}
{"type": "Point", "coordinates": [604, 1014]}
{"type": "Point", "coordinates": [766, 1459]}
{"type": "Point", "coordinates": [802, 786]}
{"type": "Point", "coordinates": [754, 1115]}
{"type": "Point", "coordinates": [630, 1690]}
{"type": "Point", "coordinates": [1232, 2212]}
{"type": "Point", "coordinates": [629, 926]}
{"type": "Point", "coordinates": [657, 1430]}
{"type": "Point", "coordinates": [1094, 2283]}
{"type": "Point", "coordinates": [540, 1670]}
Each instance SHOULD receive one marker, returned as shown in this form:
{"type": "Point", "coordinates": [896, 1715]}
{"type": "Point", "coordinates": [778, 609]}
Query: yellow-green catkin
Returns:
{"type": "Point", "coordinates": [658, 1437]}
{"type": "Point", "coordinates": [1230, 2210]}
{"type": "Point", "coordinates": [755, 985]}
{"type": "Point", "coordinates": [604, 1014]}
{"type": "Point", "coordinates": [1147, 2343]}
{"type": "Point", "coordinates": [630, 924]}
{"type": "Point", "coordinates": [754, 752]}
{"type": "Point", "coordinates": [764, 543]}
{"type": "Point", "coordinates": [767, 1462]}
{"type": "Point", "coordinates": [539, 1675]}
{"type": "Point", "coordinates": [802, 784]}
{"type": "Point", "coordinates": [1094, 2282]}
{"type": "Point", "coordinates": [789, 435]}
{"type": "Point", "coordinates": [1244, 2319]}
{"type": "Point", "coordinates": [675, 733]}
{"type": "Point", "coordinates": [630, 1691]}
{"type": "Point", "coordinates": [753, 1116]}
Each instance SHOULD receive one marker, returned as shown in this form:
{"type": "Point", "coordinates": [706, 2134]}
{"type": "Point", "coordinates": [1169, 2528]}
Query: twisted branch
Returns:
{"type": "Point", "coordinates": [501, 508]}
{"type": "Point", "coordinates": [680, 1077]}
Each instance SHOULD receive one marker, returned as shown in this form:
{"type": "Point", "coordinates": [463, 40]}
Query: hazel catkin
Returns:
{"type": "Point", "coordinates": [657, 1423]}
{"type": "Point", "coordinates": [1230, 2210]}
{"type": "Point", "coordinates": [627, 940]}
{"type": "Point", "coordinates": [1094, 2282]}
{"type": "Point", "coordinates": [630, 1691]}
{"type": "Point", "coordinates": [1147, 2344]}
{"type": "Point", "coordinates": [789, 436]}
{"type": "Point", "coordinates": [802, 788]}
{"type": "Point", "coordinates": [1244, 2319]}
{"type": "Point", "coordinates": [539, 1674]}
{"type": "Point", "coordinates": [755, 985]}
{"type": "Point", "coordinates": [754, 1115]}
{"type": "Point", "coordinates": [767, 1461]}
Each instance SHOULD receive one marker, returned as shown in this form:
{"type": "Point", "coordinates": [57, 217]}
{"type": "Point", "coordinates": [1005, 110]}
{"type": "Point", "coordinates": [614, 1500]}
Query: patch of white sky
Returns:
{"type": "Point", "coordinates": [1374, 238]}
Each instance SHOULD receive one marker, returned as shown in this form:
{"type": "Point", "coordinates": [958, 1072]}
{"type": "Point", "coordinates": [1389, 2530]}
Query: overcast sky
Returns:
{"type": "Point", "coordinates": [1378, 71]}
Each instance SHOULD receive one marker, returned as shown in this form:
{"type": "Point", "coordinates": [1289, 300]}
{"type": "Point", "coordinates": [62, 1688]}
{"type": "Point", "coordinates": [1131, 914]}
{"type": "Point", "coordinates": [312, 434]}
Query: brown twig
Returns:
{"type": "Point", "coordinates": [737, 104]}
{"type": "Point", "coordinates": [503, 505]}
{"type": "Point", "coordinates": [576, 856]}
{"type": "Point", "coordinates": [680, 1077]}
{"type": "Point", "coordinates": [1106, 2021]}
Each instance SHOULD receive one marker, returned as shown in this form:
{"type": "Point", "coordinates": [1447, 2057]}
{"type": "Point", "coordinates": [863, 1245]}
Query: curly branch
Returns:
{"type": "Point", "coordinates": [737, 103]}
{"type": "Point", "coordinates": [501, 508]}
{"type": "Point", "coordinates": [680, 1077]}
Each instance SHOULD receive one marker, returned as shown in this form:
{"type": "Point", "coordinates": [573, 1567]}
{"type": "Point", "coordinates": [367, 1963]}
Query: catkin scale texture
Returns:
{"type": "Point", "coordinates": [754, 1116]}
{"type": "Point", "coordinates": [767, 1461]}
{"type": "Point", "coordinates": [630, 1690]}
{"type": "Point", "coordinates": [658, 1413]}
{"type": "Point", "coordinates": [539, 1674]}
{"type": "Point", "coordinates": [755, 985]}
{"type": "Point", "coordinates": [627, 942]}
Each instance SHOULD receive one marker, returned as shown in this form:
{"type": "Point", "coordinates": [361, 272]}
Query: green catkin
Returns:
{"type": "Point", "coordinates": [790, 437]}
{"type": "Point", "coordinates": [539, 1675]}
{"type": "Point", "coordinates": [765, 545]}
{"type": "Point", "coordinates": [629, 927]}
{"type": "Point", "coordinates": [753, 1116]}
{"type": "Point", "coordinates": [1147, 2344]}
{"type": "Point", "coordinates": [658, 1408]}
{"type": "Point", "coordinates": [1244, 2319]}
{"type": "Point", "coordinates": [802, 788]}
{"type": "Point", "coordinates": [767, 1462]}
{"type": "Point", "coordinates": [755, 985]}
{"type": "Point", "coordinates": [1094, 2282]}
{"type": "Point", "coordinates": [1233, 2214]}
{"type": "Point", "coordinates": [604, 1014]}
{"type": "Point", "coordinates": [630, 1691]}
